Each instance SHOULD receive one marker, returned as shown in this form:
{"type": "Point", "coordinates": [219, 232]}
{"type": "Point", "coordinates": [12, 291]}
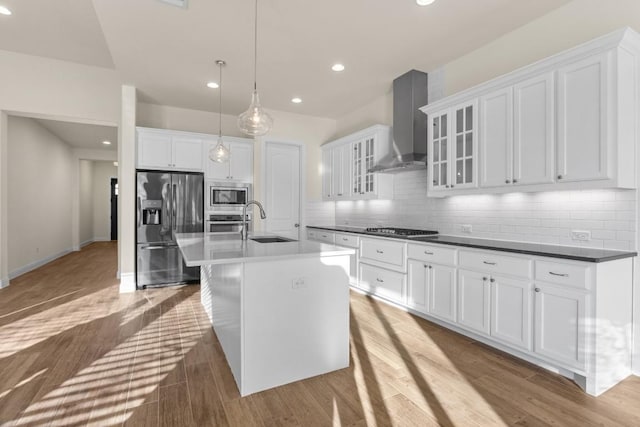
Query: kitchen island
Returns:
{"type": "Point", "coordinates": [280, 310]}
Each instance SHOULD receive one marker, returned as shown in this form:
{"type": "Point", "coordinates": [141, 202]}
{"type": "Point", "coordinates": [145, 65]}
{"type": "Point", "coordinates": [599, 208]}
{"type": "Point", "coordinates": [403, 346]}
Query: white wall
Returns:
{"type": "Point", "coordinates": [39, 197]}
{"type": "Point", "coordinates": [86, 202]}
{"type": "Point", "coordinates": [101, 199]}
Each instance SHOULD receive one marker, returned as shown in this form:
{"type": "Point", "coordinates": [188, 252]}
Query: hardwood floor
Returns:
{"type": "Point", "coordinates": [73, 351]}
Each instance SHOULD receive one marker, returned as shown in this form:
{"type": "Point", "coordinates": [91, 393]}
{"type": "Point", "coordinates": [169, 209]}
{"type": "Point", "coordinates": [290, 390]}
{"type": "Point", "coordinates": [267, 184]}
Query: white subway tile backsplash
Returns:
{"type": "Point", "coordinates": [610, 215]}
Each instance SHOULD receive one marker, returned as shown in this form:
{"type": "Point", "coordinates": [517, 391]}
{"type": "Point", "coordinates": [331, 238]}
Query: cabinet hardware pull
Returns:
{"type": "Point", "coordinates": [447, 186]}
{"type": "Point", "coordinates": [324, 235]}
{"type": "Point", "coordinates": [506, 181]}
{"type": "Point", "coordinates": [492, 280]}
{"type": "Point", "coordinates": [379, 251]}
{"type": "Point", "coordinates": [428, 253]}
{"type": "Point", "coordinates": [379, 280]}
{"type": "Point", "coordinates": [430, 267]}
{"type": "Point", "coordinates": [339, 194]}
{"type": "Point", "coordinates": [484, 279]}
{"type": "Point", "coordinates": [452, 185]}
{"type": "Point", "coordinates": [559, 176]}
{"type": "Point", "coordinates": [559, 274]}
{"type": "Point", "coordinates": [515, 181]}
{"type": "Point", "coordinates": [345, 239]}
{"type": "Point", "coordinates": [489, 263]}
{"type": "Point", "coordinates": [537, 289]}
{"type": "Point", "coordinates": [425, 265]}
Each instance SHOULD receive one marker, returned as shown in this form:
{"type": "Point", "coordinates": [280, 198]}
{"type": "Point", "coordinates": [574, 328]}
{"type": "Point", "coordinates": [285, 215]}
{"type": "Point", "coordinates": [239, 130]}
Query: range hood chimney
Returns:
{"type": "Point", "coordinates": [409, 145]}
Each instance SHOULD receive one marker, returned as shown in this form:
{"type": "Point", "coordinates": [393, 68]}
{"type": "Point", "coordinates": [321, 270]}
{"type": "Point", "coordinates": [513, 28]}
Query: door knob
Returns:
{"type": "Point", "coordinates": [296, 225]}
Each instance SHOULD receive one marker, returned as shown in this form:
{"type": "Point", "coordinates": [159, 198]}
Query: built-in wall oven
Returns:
{"type": "Point", "coordinates": [225, 201]}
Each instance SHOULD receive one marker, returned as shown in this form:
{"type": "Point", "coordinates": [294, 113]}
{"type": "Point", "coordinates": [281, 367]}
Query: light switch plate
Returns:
{"type": "Point", "coordinates": [466, 228]}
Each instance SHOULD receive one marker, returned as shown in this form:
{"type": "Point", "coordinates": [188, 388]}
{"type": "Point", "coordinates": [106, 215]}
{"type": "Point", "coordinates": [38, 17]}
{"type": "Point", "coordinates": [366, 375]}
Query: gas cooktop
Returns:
{"type": "Point", "coordinates": [400, 231]}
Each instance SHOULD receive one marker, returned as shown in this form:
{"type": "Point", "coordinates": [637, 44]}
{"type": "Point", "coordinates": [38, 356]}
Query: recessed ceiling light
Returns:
{"type": "Point", "coordinates": [337, 67]}
{"type": "Point", "coordinates": [296, 100]}
{"type": "Point", "coordinates": [4, 11]}
{"type": "Point", "coordinates": [213, 85]}
{"type": "Point", "coordinates": [424, 2]}
{"type": "Point", "coordinates": [115, 164]}
{"type": "Point", "coordinates": [106, 142]}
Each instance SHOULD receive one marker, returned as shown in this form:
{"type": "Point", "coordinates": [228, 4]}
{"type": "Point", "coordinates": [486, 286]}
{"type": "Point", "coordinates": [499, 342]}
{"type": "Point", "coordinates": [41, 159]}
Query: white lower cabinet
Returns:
{"type": "Point", "coordinates": [474, 303]}
{"type": "Point", "coordinates": [511, 312]}
{"type": "Point", "coordinates": [442, 292]}
{"type": "Point", "coordinates": [573, 316]}
{"type": "Point", "coordinates": [382, 282]}
{"type": "Point", "coordinates": [560, 324]}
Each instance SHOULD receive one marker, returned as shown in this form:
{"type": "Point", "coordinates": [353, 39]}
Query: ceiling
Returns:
{"type": "Point", "coordinates": [80, 135]}
{"type": "Point", "coordinates": [168, 52]}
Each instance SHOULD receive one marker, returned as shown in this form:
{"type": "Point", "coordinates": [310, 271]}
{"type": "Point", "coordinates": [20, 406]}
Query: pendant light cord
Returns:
{"type": "Point", "coordinates": [220, 64]}
{"type": "Point", "coordinates": [255, 50]}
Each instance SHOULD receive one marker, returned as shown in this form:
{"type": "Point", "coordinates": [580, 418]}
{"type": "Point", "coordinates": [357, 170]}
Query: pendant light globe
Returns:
{"type": "Point", "coordinates": [255, 121]}
{"type": "Point", "coordinates": [220, 153]}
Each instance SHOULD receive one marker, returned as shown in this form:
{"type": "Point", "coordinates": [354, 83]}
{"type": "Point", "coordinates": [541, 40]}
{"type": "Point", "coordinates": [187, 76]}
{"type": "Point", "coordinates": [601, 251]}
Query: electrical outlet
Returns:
{"type": "Point", "coordinates": [466, 228]}
{"type": "Point", "coordinates": [581, 235]}
{"type": "Point", "coordinates": [298, 283]}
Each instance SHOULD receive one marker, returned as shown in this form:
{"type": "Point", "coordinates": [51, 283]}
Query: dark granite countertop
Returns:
{"type": "Point", "coordinates": [538, 249]}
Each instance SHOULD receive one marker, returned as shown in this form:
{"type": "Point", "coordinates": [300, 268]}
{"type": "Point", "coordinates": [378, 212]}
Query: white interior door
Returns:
{"type": "Point", "coordinates": [282, 189]}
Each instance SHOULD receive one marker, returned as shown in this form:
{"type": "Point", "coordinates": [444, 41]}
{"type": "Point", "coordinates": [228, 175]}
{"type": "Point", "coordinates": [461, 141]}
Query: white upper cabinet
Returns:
{"type": "Point", "coordinates": [240, 164]}
{"type": "Point", "coordinates": [327, 190]}
{"type": "Point", "coordinates": [566, 122]}
{"type": "Point", "coordinates": [583, 110]}
{"type": "Point", "coordinates": [346, 163]}
{"type": "Point", "coordinates": [168, 150]}
{"type": "Point", "coordinates": [452, 148]}
{"type": "Point", "coordinates": [534, 136]}
{"type": "Point", "coordinates": [517, 134]}
{"type": "Point", "coordinates": [496, 124]}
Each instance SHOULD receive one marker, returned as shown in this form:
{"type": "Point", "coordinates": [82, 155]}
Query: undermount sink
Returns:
{"type": "Point", "coordinates": [271, 239]}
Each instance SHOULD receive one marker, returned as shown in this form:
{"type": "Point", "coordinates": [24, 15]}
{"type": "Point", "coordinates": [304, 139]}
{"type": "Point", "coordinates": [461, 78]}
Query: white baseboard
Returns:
{"type": "Point", "coordinates": [39, 263]}
{"type": "Point", "coordinates": [85, 243]}
{"type": "Point", "coordinates": [4, 283]}
{"type": "Point", "coordinates": [101, 239]}
{"type": "Point", "coordinates": [127, 282]}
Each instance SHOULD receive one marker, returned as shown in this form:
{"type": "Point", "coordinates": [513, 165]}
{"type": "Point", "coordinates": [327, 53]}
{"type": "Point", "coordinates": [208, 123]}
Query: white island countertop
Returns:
{"type": "Point", "coordinates": [206, 249]}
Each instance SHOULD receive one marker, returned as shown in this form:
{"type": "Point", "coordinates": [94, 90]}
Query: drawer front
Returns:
{"type": "Point", "coordinates": [574, 275]}
{"type": "Point", "coordinates": [325, 236]}
{"type": "Point", "coordinates": [385, 251]}
{"type": "Point", "coordinates": [384, 283]}
{"type": "Point", "coordinates": [498, 264]}
{"type": "Point", "coordinates": [348, 240]}
{"type": "Point", "coordinates": [312, 234]}
{"type": "Point", "coordinates": [436, 254]}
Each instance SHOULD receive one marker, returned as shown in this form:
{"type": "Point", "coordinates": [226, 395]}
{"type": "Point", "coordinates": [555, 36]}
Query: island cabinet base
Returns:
{"type": "Point", "coordinates": [279, 321]}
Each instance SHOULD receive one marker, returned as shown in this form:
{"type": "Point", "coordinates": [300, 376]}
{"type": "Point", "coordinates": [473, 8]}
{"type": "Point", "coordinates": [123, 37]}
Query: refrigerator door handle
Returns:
{"type": "Point", "coordinates": [152, 247]}
{"type": "Point", "coordinates": [174, 204]}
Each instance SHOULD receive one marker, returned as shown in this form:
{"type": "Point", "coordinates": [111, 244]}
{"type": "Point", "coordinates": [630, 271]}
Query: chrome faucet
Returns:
{"type": "Point", "coordinates": [263, 215]}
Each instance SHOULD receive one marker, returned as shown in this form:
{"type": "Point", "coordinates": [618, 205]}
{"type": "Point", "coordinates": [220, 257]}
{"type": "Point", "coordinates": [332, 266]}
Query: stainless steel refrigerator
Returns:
{"type": "Point", "coordinates": [167, 203]}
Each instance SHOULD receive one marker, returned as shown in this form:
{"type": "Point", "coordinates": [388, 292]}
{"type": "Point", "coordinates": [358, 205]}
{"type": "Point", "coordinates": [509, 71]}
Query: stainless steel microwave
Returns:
{"type": "Point", "coordinates": [226, 195]}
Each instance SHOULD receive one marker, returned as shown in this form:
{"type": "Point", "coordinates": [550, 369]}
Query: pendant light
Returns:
{"type": "Point", "coordinates": [219, 153]}
{"type": "Point", "coordinates": [255, 121]}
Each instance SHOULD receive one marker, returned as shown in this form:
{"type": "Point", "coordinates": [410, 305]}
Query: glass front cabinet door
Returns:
{"type": "Point", "coordinates": [453, 148]}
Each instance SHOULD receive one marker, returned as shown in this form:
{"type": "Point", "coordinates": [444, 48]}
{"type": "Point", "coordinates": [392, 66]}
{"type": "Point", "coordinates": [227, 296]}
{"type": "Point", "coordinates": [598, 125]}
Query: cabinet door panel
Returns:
{"type": "Point", "coordinates": [384, 283]}
{"type": "Point", "coordinates": [154, 151]}
{"type": "Point", "coordinates": [241, 162]}
{"type": "Point", "coordinates": [187, 153]}
{"type": "Point", "coordinates": [496, 124]}
{"type": "Point", "coordinates": [442, 292]}
{"type": "Point", "coordinates": [582, 119]}
{"type": "Point", "coordinates": [559, 326]}
{"type": "Point", "coordinates": [326, 174]}
{"type": "Point", "coordinates": [474, 301]}
{"type": "Point", "coordinates": [511, 312]}
{"type": "Point", "coordinates": [534, 131]}
{"type": "Point", "coordinates": [438, 151]}
{"type": "Point", "coordinates": [463, 160]}
{"type": "Point", "coordinates": [345, 171]}
{"type": "Point", "coordinates": [417, 290]}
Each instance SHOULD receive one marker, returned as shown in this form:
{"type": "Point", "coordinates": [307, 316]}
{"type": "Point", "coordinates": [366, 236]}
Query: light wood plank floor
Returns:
{"type": "Point", "coordinates": [75, 352]}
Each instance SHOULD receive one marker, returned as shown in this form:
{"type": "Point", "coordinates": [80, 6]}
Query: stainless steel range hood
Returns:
{"type": "Point", "coordinates": [409, 145]}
